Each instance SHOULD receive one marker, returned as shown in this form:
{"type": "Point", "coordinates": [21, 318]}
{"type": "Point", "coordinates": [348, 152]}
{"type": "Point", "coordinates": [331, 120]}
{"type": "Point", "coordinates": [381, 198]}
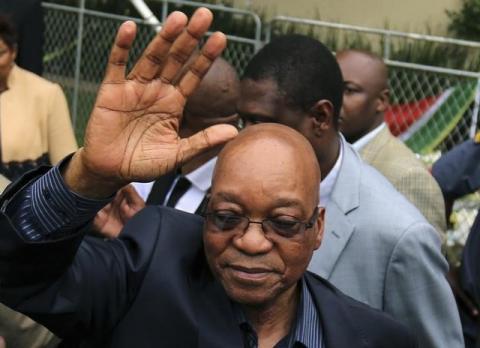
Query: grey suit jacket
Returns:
{"type": "Point", "coordinates": [380, 250]}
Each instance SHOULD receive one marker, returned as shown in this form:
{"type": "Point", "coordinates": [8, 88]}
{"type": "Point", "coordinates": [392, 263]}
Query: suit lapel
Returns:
{"type": "Point", "coordinates": [338, 328]}
{"type": "Point", "coordinates": [344, 199]}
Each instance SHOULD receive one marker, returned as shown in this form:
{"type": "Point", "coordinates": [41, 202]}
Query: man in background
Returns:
{"type": "Point", "coordinates": [365, 100]}
{"type": "Point", "coordinates": [377, 247]}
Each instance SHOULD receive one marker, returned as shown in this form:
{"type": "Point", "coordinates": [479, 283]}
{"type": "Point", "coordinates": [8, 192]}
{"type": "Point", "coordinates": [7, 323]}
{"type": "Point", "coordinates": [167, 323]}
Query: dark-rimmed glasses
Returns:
{"type": "Point", "coordinates": [226, 221]}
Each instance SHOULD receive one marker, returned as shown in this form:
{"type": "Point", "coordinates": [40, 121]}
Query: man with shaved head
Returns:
{"type": "Point", "coordinates": [365, 101]}
{"type": "Point", "coordinates": [377, 247]}
{"type": "Point", "coordinates": [165, 283]}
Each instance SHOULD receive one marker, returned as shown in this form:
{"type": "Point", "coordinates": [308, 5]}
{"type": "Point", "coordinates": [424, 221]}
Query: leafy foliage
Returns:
{"type": "Point", "coordinates": [464, 23]}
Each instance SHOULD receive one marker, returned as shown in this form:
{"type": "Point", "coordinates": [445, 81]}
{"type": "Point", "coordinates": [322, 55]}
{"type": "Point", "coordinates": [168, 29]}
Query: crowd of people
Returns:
{"type": "Point", "coordinates": [204, 209]}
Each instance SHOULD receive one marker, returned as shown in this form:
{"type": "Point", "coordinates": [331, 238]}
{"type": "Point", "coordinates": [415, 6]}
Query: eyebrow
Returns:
{"type": "Point", "coordinates": [277, 203]}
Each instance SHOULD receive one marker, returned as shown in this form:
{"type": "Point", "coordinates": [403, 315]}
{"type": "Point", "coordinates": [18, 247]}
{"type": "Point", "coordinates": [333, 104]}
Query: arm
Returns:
{"type": "Point", "coordinates": [60, 136]}
{"type": "Point", "coordinates": [420, 188]}
{"type": "Point", "coordinates": [74, 287]}
{"type": "Point", "coordinates": [417, 291]}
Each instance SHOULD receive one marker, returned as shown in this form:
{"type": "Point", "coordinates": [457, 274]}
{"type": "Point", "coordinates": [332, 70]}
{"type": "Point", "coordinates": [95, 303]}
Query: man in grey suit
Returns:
{"type": "Point", "coordinates": [377, 247]}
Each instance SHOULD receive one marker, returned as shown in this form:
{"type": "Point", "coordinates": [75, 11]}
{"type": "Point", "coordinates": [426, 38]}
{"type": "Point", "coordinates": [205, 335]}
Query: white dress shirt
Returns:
{"type": "Point", "coordinates": [201, 180]}
{"type": "Point", "coordinates": [329, 181]}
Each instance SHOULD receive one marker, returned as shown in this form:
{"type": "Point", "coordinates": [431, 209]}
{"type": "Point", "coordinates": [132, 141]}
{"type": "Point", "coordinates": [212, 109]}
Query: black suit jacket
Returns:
{"type": "Point", "coordinates": [151, 287]}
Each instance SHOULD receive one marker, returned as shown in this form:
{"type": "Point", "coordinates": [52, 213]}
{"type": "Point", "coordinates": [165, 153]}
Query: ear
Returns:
{"type": "Point", "coordinates": [320, 227]}
{"type": "Point", "coordinates": [383, 100]}
{"type": "Point", "coordinates": [322, 113]}
{"type": "Point", "coordinates": [15, 51]}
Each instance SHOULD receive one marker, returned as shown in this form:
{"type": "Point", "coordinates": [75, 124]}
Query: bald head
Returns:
{"type": "Point", "coordinates": [364, 65]}
{"type": "Point", "coordinates": [270, 152]}
{"type": "Point", "coordinates": [214, 100]}
{"type": "Point", "coordinates": [366, 92]}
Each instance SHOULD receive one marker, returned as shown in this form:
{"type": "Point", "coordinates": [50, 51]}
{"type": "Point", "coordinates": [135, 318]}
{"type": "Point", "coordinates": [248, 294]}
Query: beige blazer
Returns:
{"type": "Point", "coordinates": [408, 174]}
{"type": "Point", "coordinates": [34, 119]}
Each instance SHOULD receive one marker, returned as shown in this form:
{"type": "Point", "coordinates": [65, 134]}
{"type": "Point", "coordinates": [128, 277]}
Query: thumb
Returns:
{"type": "Point", "coordinates": [205, 139]}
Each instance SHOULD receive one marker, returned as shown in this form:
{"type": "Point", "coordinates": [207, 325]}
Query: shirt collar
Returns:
{"type": "Point", "coordinates": [307, 327]}
{"type": "Point", "coordinates": [201, 177]}
{"type": "Point", "coordinates": [327, 184]}
{"type": "Point", "coordinates": [367, 137]}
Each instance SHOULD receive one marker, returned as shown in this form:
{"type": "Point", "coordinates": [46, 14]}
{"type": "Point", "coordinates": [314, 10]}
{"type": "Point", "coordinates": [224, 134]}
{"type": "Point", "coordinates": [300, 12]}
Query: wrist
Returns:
{"type": "Point", "coordinates": [87, 183]}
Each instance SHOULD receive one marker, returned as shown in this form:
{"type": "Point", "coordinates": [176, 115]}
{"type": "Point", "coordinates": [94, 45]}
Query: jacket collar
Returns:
{"type": "Point", "coordinates": [337, 327]}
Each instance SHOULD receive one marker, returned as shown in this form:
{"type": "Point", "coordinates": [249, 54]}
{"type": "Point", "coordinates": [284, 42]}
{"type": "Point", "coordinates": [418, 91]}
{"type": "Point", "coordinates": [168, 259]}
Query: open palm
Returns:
{"type": "Point", "coordinates": [132, 133]}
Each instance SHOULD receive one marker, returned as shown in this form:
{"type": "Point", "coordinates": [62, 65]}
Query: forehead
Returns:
{"type": "Point", "coordinates": [359, 68]}
{"type": "Point", "coordinates": [268, 170]}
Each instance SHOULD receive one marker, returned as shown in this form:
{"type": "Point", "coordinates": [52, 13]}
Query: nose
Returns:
{"type": "Point", "coordinates": [253, 241]}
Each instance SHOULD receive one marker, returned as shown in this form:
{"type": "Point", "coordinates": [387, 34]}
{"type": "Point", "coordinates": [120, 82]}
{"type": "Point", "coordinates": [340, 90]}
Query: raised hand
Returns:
{"type": "Point", "coordinates": [132, 133]}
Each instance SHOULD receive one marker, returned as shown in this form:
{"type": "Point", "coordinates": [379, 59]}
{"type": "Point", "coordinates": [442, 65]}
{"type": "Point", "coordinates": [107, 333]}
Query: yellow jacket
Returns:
{"type": "Point", "coordinates": [408, 175]}
{"type": "Point", "coordinates": [35, 125]}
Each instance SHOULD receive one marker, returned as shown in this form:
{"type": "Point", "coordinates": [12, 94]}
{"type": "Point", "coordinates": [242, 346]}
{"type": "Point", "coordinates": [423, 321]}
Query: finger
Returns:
{"type": "Point", "coordinates": [133, 198]}
{"type": "Point", "coordinates": [155, 54]}
{"type": "Point", "coordinates": [203, 140]}
{"type": "Point", "coordinates": [117, 61]}
{"type": "Point", "coordinates": [186, 43]}
{"type": "Point", "coordinates": [126, 211]}
{"type": "Point", "coordinates": [211, 50]}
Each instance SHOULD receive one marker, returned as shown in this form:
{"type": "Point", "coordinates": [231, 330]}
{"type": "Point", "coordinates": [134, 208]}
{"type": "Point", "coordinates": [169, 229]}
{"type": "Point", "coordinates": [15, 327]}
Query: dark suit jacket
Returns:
{"type": "Point", "coordinates": [152, 287]}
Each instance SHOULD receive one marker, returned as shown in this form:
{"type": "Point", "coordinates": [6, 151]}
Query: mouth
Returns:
{"type": "Point", "coordinates": [249, 274]}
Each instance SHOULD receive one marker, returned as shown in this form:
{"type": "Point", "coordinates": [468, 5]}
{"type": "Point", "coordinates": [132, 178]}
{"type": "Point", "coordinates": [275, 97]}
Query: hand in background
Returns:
{"type": "Point", "coordinates": [110, 220]}
{"type": "Point", "coordinates": [132, 133]}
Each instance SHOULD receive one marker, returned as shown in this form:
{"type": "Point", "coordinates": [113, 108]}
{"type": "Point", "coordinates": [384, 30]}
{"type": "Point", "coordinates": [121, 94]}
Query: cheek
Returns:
{"type": "Point", "coordinates": [214, 245]}
{"type": "Point", "coordinates": [296, 258]}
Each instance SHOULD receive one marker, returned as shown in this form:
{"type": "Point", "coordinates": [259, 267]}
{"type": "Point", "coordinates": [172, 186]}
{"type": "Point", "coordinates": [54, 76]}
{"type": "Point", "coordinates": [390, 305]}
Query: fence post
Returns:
{"type": "Point", "coordinates": [164, 10]}
{"type": "Point", "coordinates": [386, 47]}
{"type": "Point", "coordinates": [476, 109]}
{"type": "Point", "coordinates": [78, 61]}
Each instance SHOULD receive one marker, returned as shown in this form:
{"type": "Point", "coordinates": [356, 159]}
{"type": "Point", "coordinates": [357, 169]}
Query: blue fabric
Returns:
{"type": "Point", "coordinates": [48, 209]}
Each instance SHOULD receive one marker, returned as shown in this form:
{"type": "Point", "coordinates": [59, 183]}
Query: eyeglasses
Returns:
{"type": "Point", "coordinates": [288, 227]}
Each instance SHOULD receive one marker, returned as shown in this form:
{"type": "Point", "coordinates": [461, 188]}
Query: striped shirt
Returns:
{"type": "Point", "coordinates": [306, 333]}
{"type": "Point", "coordinates": [49, 210]}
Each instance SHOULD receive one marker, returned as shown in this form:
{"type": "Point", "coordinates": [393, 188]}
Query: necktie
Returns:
{"type": "Point", "coordinates": [181, 187]}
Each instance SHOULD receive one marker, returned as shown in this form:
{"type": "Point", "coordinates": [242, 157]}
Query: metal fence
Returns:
{"type": "Point", "coordinates": [432, 108]}
{"type": "Point", "coordinates": [78, 41]}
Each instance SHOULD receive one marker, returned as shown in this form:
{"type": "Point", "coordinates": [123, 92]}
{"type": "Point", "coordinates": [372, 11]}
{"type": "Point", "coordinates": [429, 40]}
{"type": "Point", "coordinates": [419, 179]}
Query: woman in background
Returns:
{"type": "Point", "coordinates": [35, 125]}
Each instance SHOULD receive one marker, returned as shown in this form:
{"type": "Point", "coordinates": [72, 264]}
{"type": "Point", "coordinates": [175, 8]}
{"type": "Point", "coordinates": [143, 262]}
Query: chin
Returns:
{"type": "Point", "coordinates": [254, 298]}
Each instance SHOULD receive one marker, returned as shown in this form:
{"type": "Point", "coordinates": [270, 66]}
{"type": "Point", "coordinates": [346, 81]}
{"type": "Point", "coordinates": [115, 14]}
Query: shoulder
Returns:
{"type": "Point", "coordinates": [382, 212]}
{"type": "Point", "coordinates": [171, 230]}
{"type": "Point", "coordinates": [35, 83]}
{"type": "Point", "coordinates": [370, 325]}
